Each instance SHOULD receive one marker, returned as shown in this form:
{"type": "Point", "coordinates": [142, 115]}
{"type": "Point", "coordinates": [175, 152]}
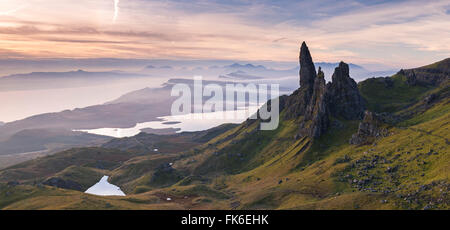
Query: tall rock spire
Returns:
{"type": "Point", "coordinates": [307, 68]}
{"type": "Point", "coordinates": [302, 96]}
{"type": "Point", "coordinates": [317, 109]}
{"type": "Point", "coordinates": [316, 102]}
{"type": "Point", "coordinates": [345, 99]}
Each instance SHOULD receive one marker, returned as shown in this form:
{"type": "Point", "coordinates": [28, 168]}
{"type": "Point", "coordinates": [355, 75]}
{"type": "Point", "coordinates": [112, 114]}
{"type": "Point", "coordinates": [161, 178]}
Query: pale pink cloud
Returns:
{"type": "Point", "coordinates": [160, 29]}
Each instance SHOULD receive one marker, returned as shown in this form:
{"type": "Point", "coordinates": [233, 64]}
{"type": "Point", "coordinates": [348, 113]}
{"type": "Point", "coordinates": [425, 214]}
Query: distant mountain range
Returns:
{"type": "Point", "coordinates": [239, 75]}
{"type": "Point", "coordinates": [244, 66]}
{"type": "Point", "coordinates": [52, 80]}
{"type": "Point", "coordinates": [249, 71]}
{"type": "Point", "coordinates": [134, 107]}
{"type": "Point", "coordinates": [381, 143]}
{"type": "Point", "coordinates": [234, 71]}
{"type": "Point", "coordinates": [71, 74]}
{"type": "Point", "coordinates": [138, 106]}
{"type": "Point", "coordinates": [327, 65]}
{"type": "Point", "coordinates": [16, 66]}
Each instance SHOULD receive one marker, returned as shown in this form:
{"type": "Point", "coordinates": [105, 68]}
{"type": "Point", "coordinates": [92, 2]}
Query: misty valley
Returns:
{"type": "Point", "coordinates": [46, 112]}
{"type": "Point", "coordinates": [338, 144]}
{"type": "Point", "coordinates": [216, 113]}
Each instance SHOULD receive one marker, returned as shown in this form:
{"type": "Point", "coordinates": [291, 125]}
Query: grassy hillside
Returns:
{"type": "Point", "coordinates": [390, 94]}
{"type": "Point", "coordinates": [407, 169]}
{"type": "Point", "coordinates": [242, 167]}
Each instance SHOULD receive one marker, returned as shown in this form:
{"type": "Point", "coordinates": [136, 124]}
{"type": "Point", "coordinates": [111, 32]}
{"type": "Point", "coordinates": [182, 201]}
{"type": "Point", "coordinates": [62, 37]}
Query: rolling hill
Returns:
{"type": "Point", "coordinates": [379, 144]}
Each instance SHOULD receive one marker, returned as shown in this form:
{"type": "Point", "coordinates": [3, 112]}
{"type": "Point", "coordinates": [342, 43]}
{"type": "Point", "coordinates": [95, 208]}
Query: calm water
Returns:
{"type": "Point", "coordinates": [16, 105]}
{"type": "Point", "coordinates": [186, 123]}
{"type": "Point", "coordinates": [104, 188]}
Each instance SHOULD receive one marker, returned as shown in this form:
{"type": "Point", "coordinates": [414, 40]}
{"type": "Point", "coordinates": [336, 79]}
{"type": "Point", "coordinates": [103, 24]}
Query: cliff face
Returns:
{"type": "Point", "coordinates": [315, 101]}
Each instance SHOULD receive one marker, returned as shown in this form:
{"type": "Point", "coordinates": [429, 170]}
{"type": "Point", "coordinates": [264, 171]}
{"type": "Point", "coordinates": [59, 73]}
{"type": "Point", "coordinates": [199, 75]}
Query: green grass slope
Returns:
{"type": "Point", "coordinates": [242, 167]}
{"type": "Point", "coordinates": [406, 170]}
{"type": "Point", "coordinates": [392, 96]}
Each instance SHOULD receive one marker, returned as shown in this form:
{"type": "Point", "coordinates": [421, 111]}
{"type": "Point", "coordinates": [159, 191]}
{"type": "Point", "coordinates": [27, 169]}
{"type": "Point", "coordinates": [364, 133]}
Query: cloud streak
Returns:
{"type": "Point", "coordinates": [116, 10]}
{"type": "Point", "coordinates": [11, 12]}
{"type": "Point", "coordinates": [402, 34]}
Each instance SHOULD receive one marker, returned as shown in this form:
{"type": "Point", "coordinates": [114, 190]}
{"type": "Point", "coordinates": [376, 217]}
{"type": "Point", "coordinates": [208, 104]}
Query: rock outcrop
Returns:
{"type": "Point", "coordinates": [299, 100]}
{"type": "Point", "coordinates": [315, 101]}
{"type": "Point", "coordinates": [370, 128]}
{"type": "Point", "coordinates": [317, 109]}
{"type": "Point", "coordinates": [307, 69]}
{"type": "Point", "coordinates": [345, 99]}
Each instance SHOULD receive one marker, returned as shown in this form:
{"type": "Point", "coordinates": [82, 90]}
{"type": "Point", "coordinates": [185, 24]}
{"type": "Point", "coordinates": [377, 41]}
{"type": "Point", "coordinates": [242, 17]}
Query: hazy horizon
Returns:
{"type": "Point", "coordinates": [398, 34]}
{"type": "Point", "coordinates": [24, 66]}
{"type": "Point", "coordinates": [193, 38]}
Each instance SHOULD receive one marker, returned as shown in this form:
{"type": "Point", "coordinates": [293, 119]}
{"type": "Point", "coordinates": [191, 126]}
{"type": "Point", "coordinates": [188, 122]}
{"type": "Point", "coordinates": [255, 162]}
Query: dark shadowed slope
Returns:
{"type": "Point", "coordinates": [328, 152]}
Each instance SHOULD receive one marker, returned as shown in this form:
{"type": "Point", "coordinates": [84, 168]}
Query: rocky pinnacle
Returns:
{"type": "Point", "coordinates": [315, 102]}
{"type": "Point", "coordinates": [307, 68]}
{"type": "Point", "coordinates": [345, 99]}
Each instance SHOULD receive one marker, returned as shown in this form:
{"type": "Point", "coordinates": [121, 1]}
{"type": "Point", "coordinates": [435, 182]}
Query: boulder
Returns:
{"type": "Point", "coordinates": [370, 128]}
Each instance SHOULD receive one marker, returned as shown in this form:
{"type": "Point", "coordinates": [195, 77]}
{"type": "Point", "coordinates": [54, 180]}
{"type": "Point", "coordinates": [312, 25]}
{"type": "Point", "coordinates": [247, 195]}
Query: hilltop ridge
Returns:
{"type": "Point", "coordinates": [379, 144]}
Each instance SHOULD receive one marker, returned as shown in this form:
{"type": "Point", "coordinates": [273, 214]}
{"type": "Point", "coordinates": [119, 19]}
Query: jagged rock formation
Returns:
{"type": "Point", "coordinates": [317, 110]}
{"type": "Point", "coordinates": [369, 129]}
{"type": "Point", "coordinates": [308, 70]}
{"type": "Point", "coordinates": [300, 99]}
{"type": "Point", "coordinates": [345, 100]}
{"type": "Point", "coordinates": [315, 101]}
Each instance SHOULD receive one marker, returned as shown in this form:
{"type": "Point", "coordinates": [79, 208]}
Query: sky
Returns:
{"type": "Point", "coordinates": [392, 33]}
